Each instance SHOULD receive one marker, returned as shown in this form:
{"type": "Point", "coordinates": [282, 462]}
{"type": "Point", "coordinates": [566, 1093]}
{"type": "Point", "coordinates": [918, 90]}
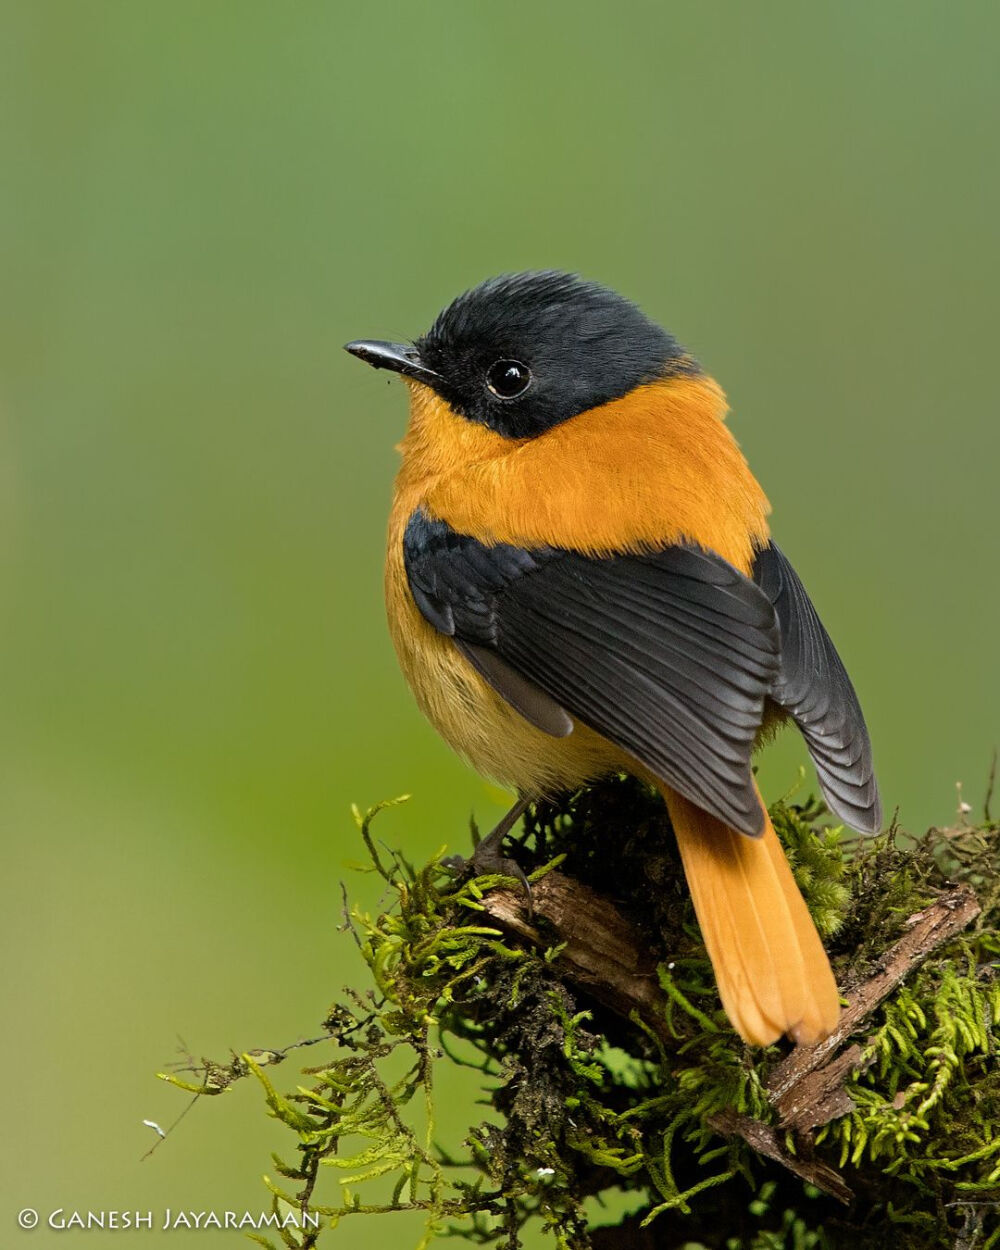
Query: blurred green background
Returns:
{"type": "Point", "coordinates": [199, 203]}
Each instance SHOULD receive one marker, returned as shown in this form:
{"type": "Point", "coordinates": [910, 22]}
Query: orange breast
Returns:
{"type": "Point", "coordinates": [656, 467]}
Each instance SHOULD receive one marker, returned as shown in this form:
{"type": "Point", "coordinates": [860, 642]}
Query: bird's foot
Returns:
{"type": "Point", "coordinates": [487, 858]}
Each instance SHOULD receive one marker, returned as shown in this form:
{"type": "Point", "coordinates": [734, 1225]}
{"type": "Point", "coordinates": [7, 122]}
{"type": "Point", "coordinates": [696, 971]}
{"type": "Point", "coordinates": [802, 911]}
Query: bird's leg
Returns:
{"type": "Point", "coordinates": [486, 858]}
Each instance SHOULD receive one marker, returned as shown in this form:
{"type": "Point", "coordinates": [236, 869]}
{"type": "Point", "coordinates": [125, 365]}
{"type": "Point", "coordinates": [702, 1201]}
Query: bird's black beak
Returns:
{"type": "Point", "coordinates": [399, 357]}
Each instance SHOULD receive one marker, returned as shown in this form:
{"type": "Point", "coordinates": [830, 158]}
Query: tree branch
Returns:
{"type": "Point", "coordinates": [804, 1087]}
{"type": "Point", "coordinates": [602, 952]}
{"type": "Point", "coordinates": [604, 955]}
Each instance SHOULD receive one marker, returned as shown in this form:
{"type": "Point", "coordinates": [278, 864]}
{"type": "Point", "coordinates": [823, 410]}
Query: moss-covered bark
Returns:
{"type": "Point", "coordinates": [662, 1102]}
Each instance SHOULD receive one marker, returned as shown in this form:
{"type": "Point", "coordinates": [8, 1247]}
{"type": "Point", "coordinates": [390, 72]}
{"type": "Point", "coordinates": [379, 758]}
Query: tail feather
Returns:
{"type": "Point", "coordinates": [773, 974]}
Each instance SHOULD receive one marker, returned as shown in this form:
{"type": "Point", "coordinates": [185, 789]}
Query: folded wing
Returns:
{"type": "Point", "coordinates": [670, 655]}
{"type": "Point", "coordinates": [813, 686]}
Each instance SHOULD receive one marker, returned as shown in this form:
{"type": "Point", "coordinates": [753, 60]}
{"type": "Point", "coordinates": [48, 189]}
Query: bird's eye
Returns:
{"type": "Point", "coordinates": [508, 378]}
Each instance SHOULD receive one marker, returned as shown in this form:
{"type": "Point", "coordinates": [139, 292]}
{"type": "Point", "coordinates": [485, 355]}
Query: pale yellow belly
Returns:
{"type": "Point", "coordinates": [472, 718]}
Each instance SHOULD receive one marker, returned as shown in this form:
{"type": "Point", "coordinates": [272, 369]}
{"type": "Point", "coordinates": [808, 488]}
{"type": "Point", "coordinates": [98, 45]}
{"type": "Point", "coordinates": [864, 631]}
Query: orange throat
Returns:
{"type": "Point", "coordinates": [658, 466]}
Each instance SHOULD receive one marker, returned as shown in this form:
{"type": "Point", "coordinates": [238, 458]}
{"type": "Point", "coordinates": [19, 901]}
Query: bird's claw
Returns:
{"type": "Point", "coordinates": [487, 860]}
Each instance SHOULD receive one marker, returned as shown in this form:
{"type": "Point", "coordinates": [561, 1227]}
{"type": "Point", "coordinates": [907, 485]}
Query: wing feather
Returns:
{"type": "Point", "coordinates": [813, 686]}
{"type": "Point", "coordinates": [670, 654]}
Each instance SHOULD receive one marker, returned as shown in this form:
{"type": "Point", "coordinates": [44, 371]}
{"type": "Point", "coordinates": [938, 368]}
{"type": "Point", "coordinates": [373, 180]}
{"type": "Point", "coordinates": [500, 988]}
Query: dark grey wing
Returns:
{"type": "Point", "coordinates": [814, 688]}
{"type": "Point", "coordinates": [670, 655]}
{"type": "Point", "coordinates": [523, 696]}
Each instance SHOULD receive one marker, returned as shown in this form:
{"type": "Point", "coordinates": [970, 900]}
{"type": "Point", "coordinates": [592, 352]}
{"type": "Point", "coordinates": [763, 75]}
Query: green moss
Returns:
{"type": "Point", "coordinates": [585, 1103]}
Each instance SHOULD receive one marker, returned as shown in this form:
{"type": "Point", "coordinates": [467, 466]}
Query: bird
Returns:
{"type": "Point", "coordinates": [580, 581]}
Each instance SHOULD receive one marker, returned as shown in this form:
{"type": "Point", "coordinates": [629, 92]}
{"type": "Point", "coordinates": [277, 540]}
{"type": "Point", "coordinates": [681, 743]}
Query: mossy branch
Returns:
{"type": "Point", "coordinates": [807, 1088]}
{"type": "Point", "coordinates": [610, 1066]}
{"type": "Point", "coordinates": [602, 953]}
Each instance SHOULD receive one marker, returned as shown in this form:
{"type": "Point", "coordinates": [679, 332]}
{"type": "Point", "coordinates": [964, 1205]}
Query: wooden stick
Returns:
{"type": "Point", "coordinates": [803, 1083]}
{"type": "Point", "coordinates": [603, 953]}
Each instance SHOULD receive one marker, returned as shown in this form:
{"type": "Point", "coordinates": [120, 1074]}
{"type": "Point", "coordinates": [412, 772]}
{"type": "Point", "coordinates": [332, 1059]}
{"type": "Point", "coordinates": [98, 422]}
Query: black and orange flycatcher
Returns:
{"type": "Point", "coordinates": [580, 580]}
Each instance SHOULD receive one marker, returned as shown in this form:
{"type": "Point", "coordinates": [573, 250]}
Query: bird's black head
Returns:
{"type": "Point", "coordinates": [523, 352]}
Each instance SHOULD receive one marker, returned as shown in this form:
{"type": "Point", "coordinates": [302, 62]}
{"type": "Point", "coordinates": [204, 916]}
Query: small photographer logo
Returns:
{"type": "Point", "coordinates": [63, 1219]}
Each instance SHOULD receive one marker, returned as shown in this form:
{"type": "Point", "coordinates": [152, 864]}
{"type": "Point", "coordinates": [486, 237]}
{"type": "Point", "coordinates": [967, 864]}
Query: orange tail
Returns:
{"type": "Point", "coordinates": [773, 973]}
